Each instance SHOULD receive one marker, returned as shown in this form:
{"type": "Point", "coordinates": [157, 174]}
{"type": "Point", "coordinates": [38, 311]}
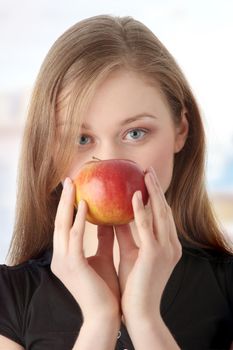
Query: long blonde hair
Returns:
{"type": "Point", "coordinates": [74, 67]}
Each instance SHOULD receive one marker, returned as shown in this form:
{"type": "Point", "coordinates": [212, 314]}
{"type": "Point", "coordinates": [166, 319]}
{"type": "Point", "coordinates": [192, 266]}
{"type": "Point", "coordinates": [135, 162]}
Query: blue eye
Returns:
{"type": "Point", "coordinates": [133, 134]}
{"type": "Point", "coordinates": [137, 133]}
{"type": "Point", "coordinates": [82, 140]}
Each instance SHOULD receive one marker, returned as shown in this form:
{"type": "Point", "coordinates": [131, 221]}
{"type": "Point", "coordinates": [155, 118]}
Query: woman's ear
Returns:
{"type": "Point", "coordinates": [181, 132]}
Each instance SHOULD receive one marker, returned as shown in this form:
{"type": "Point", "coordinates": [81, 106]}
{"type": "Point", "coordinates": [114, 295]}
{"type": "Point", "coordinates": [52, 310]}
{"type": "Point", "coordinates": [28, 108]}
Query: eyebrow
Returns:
{"type": "Point", "coordinates": [124, 122]}
{"type": "Point", "coordinates": [129, 120]}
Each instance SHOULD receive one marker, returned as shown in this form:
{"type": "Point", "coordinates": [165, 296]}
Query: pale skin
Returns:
{"type": "Point", "coordinates": [134, 291]}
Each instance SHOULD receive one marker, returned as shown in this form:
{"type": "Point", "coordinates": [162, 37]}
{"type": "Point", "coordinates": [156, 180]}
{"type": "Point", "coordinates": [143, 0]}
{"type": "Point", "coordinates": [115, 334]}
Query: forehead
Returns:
{"type": "Point", "coordinates": [121, 95]}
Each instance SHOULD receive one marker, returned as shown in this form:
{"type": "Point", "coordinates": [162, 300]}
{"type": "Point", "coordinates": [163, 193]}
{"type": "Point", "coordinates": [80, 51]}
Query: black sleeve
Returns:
{"type": "Point", "coordinates": [230, 283]}
{"type": "Point", "coordinates": [11, 303]}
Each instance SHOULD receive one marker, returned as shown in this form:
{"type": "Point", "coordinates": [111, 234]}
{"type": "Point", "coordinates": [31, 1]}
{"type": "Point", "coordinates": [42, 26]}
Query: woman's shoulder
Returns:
{"type": "Point", "coordinates": [211, 255]}
{"type": "Point", "coordinates": [27, 272]}
{"type": "Point", "coordinates": [210, 269]}
{"type": "Point", "coordinates": [209, 265]}
{"type": "Point", "coordinates": [18, 285]}
{"type": "Point", "coordinates": [42, 259]}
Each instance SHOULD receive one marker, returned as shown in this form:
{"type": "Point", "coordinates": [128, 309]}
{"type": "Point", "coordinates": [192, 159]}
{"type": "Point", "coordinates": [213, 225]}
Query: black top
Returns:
{"type": "Point", "coordinates": [38, 312]}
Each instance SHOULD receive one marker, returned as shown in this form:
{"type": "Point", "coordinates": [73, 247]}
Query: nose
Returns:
{"type": "Point", "coordinates": [109, 150]}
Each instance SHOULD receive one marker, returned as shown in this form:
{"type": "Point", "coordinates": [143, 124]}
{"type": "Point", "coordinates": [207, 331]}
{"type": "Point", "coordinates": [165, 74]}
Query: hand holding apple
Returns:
{"type": "Point", "coordinates": [107, 186]}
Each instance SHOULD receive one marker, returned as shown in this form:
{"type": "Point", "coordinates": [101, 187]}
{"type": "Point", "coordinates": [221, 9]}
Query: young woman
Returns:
{"type": "Point", "coordinates": [108, 88]}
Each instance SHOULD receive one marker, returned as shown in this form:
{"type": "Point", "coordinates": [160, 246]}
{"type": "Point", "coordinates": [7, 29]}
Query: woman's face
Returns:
{"type": "Point", "coordinates": [129, 119]}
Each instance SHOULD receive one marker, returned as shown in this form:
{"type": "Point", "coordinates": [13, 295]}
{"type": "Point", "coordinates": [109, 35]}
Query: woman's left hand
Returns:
{"type": "Point", "coordinates": [144, 271]}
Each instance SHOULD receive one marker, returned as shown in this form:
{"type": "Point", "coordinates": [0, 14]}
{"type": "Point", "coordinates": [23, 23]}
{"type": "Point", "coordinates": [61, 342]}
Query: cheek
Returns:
{"type": "Point", "coordinates": [163, 166]}
{"type": "Point", "coordinates": [77, 162]}
{"type": "Point", "coordinates": [161, 159]}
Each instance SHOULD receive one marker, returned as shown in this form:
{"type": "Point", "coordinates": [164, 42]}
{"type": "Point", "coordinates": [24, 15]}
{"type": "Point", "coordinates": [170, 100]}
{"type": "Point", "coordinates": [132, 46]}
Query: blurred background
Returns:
{"type": "Point", "coordinates": [199, 35]}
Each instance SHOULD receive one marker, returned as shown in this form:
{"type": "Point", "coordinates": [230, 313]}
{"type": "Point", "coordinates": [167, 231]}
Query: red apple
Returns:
{"type": "Point", "coordinates": [108, 186]}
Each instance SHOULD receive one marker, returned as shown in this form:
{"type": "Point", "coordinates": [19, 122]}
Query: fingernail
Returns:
{"type": "Point", "coordinates": [67, 184]}
{"type": "Point", "coordinates": [81, 203]}
{"type": "Point", "coordinates": [152, 172]}
{"type": "Point", "coordinates": [150, 176]}
{"type": "Point", "coordinates": [139, 196]}
{"type": "Point", "coordinates": [81, 206]}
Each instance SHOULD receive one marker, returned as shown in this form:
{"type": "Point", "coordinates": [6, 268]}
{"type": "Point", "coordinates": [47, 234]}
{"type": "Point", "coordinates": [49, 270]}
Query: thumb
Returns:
{"type": "Point", "coordinates": [105, 236]}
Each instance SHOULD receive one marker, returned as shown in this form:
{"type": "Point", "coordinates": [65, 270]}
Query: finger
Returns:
{"type": "Point", "coordinates": [173, 234]}
{"type": "Point", "coordinates": [142, 220]}
{"type": "Point", "coordinates": [161, 225]}
{"type": "Point", "coordinates": [105, 236]}
{"type": "Point", "coordinates": [161, 193]}
{"type": "Point", "coordinates": [77, 231]}
{"type": "Point", "coordinates": [125, 239]}
{"type": "Point", "coordinates": [64, 217]}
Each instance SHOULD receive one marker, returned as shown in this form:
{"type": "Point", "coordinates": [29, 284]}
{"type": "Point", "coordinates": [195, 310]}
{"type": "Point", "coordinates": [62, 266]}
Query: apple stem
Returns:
{"type": "Point", "coordinates": [96, 158]}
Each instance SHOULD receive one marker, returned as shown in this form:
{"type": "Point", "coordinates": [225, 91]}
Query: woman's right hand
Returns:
{"type": "Point", "coordinates": [92, 281]}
